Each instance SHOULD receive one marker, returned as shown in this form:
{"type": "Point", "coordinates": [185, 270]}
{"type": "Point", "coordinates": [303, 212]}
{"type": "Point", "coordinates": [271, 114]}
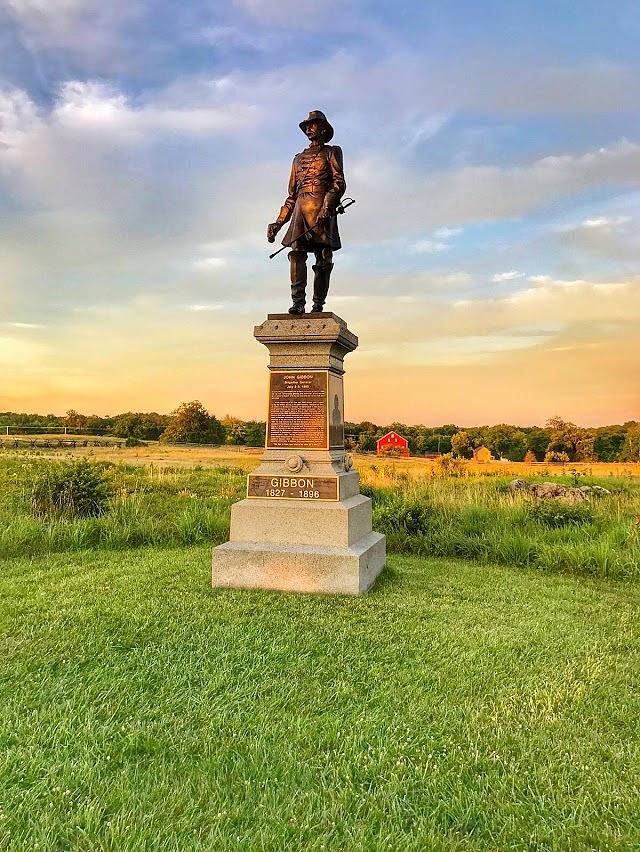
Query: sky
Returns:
{"type": "Point", "coordinates": [490, 264]}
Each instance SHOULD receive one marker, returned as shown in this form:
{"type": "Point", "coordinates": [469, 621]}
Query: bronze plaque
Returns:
{"type": "Point", "coordinates": [298, 409]}
{"type": "Point", "coordinates": [292, 487]}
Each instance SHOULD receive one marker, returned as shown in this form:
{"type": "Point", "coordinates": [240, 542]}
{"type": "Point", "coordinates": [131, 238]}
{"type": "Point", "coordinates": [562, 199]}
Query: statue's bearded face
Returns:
{"type": "Point", "coordinates": [315, 131]}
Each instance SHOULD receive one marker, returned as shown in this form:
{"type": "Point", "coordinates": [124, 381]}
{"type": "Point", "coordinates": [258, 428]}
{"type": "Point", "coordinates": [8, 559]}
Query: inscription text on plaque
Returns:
{"type": "Point", "coordinates": [293, 487]}
{"type": "Point", "coordinates": [298, 409]}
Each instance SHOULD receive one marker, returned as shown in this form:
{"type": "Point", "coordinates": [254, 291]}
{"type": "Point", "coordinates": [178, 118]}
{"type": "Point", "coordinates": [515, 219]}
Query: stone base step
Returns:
{"type": "Point", "coordinates": [300, 568]}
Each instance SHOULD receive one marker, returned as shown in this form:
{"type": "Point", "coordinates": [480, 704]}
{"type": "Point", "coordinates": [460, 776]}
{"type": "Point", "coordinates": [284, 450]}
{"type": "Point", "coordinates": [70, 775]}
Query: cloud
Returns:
{"type": "Point", "coordinates": [206, 264]}
{"type": "Point", "coordinates": [298, 14]}
{"type": "Point", "coordinates": [42, 14]}
{"type": "Point", "coordinates": [500, 277]}
{"type": "Point", "coordinates": [205, 308]}
{"type": "Point", "coordinates": [467, 349]}
{"type": "Point", "coordinates": [229, 38]}
{"type": "Point", "coordinates": [428, 247]}
{"type": "Point", "coordinates": [446, 233]}
{"type": "Point", "coordinates": [606, 222]}
{"type": "Point", "coordinates": [483, 193]}
{"type": "Point", "coordinates": [138, 176]}
{"type": "Point", "coordinates": [439, 241]}
{"type": "Point", "coordinates": [19, 119]}
{"type": "Point", "coordinates": [614, 237]}
{"type": "Point", "coordinates": [93, 35]}
{"type": "Point", "coordinates": [573, 302]}
{"type": "Point", "coordinates": [101, 108]}
{"type": "Point", "coordinates": [424, 127]}
{"type": "Point", "coordinates": [17, 353]}
{"type": "Point", "coordinates": [596, 223]}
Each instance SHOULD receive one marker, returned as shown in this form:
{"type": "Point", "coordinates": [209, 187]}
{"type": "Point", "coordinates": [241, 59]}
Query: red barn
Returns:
{"type": "Point", "coordinates": [392, 441]}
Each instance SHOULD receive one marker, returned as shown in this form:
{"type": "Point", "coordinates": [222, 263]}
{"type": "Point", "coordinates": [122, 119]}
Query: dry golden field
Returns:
{"type": "Point", "coordinates": [372, 468]}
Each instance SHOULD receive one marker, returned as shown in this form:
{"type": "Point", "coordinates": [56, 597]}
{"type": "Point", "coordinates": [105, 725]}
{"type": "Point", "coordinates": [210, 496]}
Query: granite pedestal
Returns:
{"type": "Point", "coordinates": [304, 526]}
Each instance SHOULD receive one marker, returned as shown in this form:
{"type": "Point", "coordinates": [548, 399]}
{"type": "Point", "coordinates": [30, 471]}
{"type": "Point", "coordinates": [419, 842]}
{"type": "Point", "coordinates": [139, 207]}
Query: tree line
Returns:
{"type": "Point", "coordinates": [558, 440]}
{"type": "Point", "coordinates": [190, 422]}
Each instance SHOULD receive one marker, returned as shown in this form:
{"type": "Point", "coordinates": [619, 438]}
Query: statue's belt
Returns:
{"type": "Point", "coordinates": [312, 186]}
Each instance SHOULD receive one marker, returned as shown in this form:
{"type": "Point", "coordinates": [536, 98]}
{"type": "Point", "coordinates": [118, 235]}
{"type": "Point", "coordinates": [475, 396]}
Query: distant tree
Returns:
{"type": "Point", "coordinates": [255, 433]}
{"type": "Point", "coordinates": [461, 445]}
{"type": "Point", "coordinates": [585, 446]}
{"type": "Point", "coordinates": [561, 437]}
{"type": "Point", "coordinates": [143, 426]}
{"type": "Point", "coordinates": [12, 418]}
{"type": "Point", "coordinates": [366, 427]}
{"type": "Point", "coordinates": [507, 441]}
{"type": "Point", "coordinates": [234, 430]}
{"type": "Point", "coordinates": [400, 428]}
{"type": "Point", "coordinates": [518, 448]}
{"type": "Point", "coordinates": [566, 437]}
{"type": "Point", "coordinates": [96, 424]}
{"type": "Point", "coordinates": [530, 457]}
{"type": "Point", "coordinates": [538, 441]}
{"type": "Point", "coordinates": [366, 443]}
{"type": "Point", "coordinates": [631, 448]}
{"type": "Point", "coordinates": [192, 423]}
{"type": "Point", "coordinates": [74, 420]}
{"type": "Point", "coordinates": [608, 442]}
{"type": "Point", "coordinates": [421, 443]}
{"type": "Point", "coordinates": [441, 443]}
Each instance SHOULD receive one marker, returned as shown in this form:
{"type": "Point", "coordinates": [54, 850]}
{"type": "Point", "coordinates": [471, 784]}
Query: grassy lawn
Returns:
{"type": "Point", "coordinates": [457, 707]}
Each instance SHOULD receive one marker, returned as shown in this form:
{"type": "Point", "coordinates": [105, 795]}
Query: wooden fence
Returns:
{"type": "Point", "coordinates": [18, 443]}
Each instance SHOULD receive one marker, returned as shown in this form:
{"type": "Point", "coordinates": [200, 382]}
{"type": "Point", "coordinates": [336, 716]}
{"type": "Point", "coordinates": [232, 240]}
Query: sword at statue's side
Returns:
{"type": "Point", "coordinates": [347, 202]}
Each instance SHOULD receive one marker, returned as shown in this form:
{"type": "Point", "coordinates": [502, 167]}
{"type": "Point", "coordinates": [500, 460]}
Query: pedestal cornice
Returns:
{"type": "Point", "coordinates": [308, 341]}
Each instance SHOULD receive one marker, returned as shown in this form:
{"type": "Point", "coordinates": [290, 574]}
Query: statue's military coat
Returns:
{"type": "Point", "coordinates": [316, 183]}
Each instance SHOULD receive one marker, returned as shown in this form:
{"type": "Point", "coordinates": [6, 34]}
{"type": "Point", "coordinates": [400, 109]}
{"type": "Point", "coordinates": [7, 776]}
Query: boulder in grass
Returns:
{"type": "Point", "coordinates": [518, 485]}
{"type": "Point", "coordinates": [548, 489]}
{"type": "Point", "coordinates": [571, 496]}
{"type": "Point", "coordinates": [595, 490]}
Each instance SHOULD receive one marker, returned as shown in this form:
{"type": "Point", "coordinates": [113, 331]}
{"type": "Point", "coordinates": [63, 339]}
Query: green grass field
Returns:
{"type": "Point", "coordinates": [455, 708]}
{"type": "Point", "coordinates": [462, 705]}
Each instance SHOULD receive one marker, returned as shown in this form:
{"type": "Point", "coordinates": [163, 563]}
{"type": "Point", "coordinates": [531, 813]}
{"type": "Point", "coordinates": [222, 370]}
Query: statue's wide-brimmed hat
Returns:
{"type": "Point", "coordinates": [317, 115]}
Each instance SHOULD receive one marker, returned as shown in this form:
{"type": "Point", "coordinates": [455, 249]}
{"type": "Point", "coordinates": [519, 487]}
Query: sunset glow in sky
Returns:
{"type": "Point", "coordinates": [491, 263]}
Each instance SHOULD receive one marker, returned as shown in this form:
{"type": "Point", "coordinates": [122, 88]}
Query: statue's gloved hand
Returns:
{"type": "Point", "coordinates": [323, 215]}
{"type": "Point", "coordinates": [272, 230]}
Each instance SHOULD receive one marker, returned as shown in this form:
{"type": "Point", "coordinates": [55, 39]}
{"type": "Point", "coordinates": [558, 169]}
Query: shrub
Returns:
{"type": "Point", "coordinates": [75, 490]}
{"type": "Point", "coordinates": [391, 452]}
{"type": "Point", "coordinates": [412, 517]}
{"type": "Point", "coordinates": [449, 465]}
{"type": "Point", "coordinates": [556, 457]}
{"type": "Point", "coordinates": [555, 513]}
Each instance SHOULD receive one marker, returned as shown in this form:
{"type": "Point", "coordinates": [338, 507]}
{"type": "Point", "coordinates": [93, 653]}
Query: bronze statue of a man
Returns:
{"type": "Point", "coordinates": [316, 186]}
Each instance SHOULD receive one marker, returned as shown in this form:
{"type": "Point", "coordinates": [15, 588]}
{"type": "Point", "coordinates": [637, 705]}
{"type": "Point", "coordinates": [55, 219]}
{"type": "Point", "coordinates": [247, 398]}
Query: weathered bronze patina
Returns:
{"type": "Point", "coordinates": [316, 186]}
{"type": "Point", "coordinates": [298, 410]}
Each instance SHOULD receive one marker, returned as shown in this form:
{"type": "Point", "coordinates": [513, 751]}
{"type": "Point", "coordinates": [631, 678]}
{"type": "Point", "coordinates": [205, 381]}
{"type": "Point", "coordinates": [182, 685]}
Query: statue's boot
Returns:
{"type": "Point", "coordinates": [298, 269]}
{"type": "Point", "coordinates": [322, 273]}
